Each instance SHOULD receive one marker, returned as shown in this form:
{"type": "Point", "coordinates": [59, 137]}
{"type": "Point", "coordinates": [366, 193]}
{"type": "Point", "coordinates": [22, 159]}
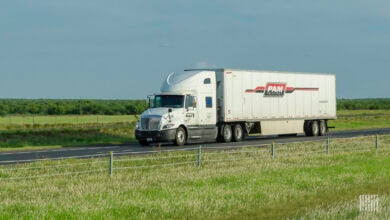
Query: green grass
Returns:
{"type": "Point", "coordinates": [361, 119]}
{"type": "Point", "coordinates": [343, 113]}
{"type": "Point", "coordinates": [29, 132]}
{"type": "Point", "coordinates": [300, 184]}
{"type": "Point", "coordinates": [64, 119]}
{"type": "Point", "coordinates": [94, 134]}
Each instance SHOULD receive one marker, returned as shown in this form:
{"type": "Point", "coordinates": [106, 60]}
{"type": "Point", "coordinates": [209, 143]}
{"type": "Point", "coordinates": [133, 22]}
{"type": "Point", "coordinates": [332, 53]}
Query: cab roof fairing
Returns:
{"type": "Point", "coordinates": [187, 81]}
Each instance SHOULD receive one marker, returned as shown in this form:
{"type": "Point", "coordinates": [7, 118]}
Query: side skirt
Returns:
{"type": "Point", "coordinates": [202, 133]}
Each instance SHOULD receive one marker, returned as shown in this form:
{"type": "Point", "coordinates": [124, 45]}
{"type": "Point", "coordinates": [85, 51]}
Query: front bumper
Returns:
{"type": "Point", "coordinates": [156, 136]}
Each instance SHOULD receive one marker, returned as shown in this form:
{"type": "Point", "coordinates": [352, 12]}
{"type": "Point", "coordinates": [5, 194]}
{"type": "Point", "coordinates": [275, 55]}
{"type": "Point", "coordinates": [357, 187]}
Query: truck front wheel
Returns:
{"type": "Point", "coordinates": [180, 137]}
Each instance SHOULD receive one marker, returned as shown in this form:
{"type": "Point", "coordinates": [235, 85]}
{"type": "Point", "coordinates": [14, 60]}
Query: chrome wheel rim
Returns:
{"type": "Point", "coordinates": [315, 128]}
{"type": "Point", "coordinates": [180, 136]}
{"type": "Point", "coordinates": [238, 132]}
{"type": "Point", "coordinates": [227, 134]}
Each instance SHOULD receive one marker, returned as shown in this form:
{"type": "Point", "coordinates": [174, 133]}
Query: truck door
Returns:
{"type": "Point", "coordinates": [192, 118]}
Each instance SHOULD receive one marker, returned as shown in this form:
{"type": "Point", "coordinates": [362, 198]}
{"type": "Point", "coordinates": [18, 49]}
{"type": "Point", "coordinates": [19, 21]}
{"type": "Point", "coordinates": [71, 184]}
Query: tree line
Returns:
{"type": "Point", "coordinates": [70, 107]}
{"type": "Point", "coordinates": [128, 107]}
{"type": "Point", "coordinates": [363, 104]}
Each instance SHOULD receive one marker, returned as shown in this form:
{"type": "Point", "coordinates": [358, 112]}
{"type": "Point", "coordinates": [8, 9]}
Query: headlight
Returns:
{"type": "Point", "coordinates": [167, 126]}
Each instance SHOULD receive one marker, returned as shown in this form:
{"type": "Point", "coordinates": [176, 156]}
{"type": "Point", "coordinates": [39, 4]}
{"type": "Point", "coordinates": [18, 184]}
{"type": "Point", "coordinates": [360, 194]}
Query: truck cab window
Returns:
{"type": "Point", "coordinates": [207, 81]}
{"type": "Point", "coordinates": [168, 101]}
{"type": "Point", "coordinates": [190, 101]}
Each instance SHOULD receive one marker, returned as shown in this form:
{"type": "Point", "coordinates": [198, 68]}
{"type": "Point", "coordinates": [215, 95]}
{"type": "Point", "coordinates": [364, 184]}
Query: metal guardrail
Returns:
{"type": "Point", "coordinates": [196, 157]}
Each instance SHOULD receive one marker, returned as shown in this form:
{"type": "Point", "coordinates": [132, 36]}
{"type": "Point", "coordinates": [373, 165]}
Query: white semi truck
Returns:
{"type": "Point", "coordinates": [208, 105]}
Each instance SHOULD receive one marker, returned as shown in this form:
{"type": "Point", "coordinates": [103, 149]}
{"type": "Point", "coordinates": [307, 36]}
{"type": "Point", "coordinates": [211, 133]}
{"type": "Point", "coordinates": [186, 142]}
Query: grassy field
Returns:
{"type": "Point", "coordinates": [300, 183]}
{"type": "Point", "coordinates": [361, 119]}
{"type": "Point", "coordinates": [37, 132]}
{"type": "Point", "coordinates": [19, 132]}
{"type": "Point", "coordinates": [29, 120]}
{"type": "Point", "coordinates": [117, 133]}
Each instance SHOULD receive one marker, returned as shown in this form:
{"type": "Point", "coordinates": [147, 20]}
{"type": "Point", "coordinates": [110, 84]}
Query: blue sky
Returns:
{"type": "Point", "coordinates": [123, 49]}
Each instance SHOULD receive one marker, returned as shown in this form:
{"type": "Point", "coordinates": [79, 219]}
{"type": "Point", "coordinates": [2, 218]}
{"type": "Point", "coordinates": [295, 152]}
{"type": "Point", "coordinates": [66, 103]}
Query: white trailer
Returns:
{"type": "Point", "coordinates": [226, 105]}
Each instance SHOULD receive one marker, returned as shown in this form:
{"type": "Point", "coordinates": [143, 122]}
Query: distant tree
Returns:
{"type": "Point", "coordinates": [3, 109]}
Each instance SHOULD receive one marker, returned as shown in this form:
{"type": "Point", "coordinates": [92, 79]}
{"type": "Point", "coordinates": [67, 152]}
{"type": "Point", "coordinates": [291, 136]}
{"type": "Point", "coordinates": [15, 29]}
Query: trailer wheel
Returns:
{"type": "Point", "coordinates": [306, 128]}
{"type": "Point", "coordinates": [238, 133]}
{"type": "Point", "coordinates": [323, 128]}
{"type": "Point", "coordinates": [180, 137]}
{"type": "Point", "coordinates": [143, 143]}
{"type": "Point", "coordinates": [314, 128]}
{"type": "Point", "coordinates": [227, 133]}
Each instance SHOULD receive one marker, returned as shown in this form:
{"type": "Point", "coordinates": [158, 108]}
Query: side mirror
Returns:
{"type": "Point", "coordinates": [150, 101]}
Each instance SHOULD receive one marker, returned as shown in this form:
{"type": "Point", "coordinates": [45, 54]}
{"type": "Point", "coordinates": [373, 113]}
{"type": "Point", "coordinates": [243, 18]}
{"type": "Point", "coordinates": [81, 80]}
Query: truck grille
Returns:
{"type": "Point", "coordinates": [150, 123]}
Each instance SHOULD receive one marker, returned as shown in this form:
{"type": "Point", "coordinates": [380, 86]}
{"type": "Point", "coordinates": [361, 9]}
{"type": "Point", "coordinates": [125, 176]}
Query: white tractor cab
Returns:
{"type": "Point", "coordinates": [184, 111]}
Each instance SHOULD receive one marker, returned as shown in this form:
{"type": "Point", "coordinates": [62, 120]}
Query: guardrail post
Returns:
{"type": "Point", "coordinates": [376, 141]}
{"type": "Point", "coordinates": [111, 162]}
{"type": "Point", "coordinates": [273, 149]}
{"type": "Point", "coordinates": [327, 145]}
{"type": "Point", "coordinates": [199, 156]}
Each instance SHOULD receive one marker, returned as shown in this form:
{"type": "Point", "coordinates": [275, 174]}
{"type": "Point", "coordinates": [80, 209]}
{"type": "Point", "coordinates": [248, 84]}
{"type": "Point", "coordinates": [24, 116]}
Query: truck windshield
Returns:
{"type": "Point", "coordinates": [169, 101]}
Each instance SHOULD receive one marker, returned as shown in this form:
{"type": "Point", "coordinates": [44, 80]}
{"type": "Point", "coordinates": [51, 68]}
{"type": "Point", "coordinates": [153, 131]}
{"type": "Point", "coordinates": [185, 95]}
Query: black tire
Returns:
{"type": "Point", "coordinates": [238, 133]}
{"type": "Point", "coordinates": [323, 128]}
{"type": "Point", "coordinates": [143, 143]}
{"type": "Point", "coordinates": [314, 128]}
{"type": "Point", "coordinates": [306, 128]}
{"type": "Point", "coordinates": [180, 137]}
{"type": "Point", "coordinates": [227, 133]}
{"type": "Point", "coordinates": [220, 133]}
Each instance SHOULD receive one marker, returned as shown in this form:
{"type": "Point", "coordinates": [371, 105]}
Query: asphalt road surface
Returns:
{"type": "Point", "coordinates": [100, 151]}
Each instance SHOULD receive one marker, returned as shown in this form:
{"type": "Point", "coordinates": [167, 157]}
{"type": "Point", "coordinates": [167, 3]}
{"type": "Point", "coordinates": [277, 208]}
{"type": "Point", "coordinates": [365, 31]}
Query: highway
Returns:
{"type": "Point", "coordinates": [99, 151]}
